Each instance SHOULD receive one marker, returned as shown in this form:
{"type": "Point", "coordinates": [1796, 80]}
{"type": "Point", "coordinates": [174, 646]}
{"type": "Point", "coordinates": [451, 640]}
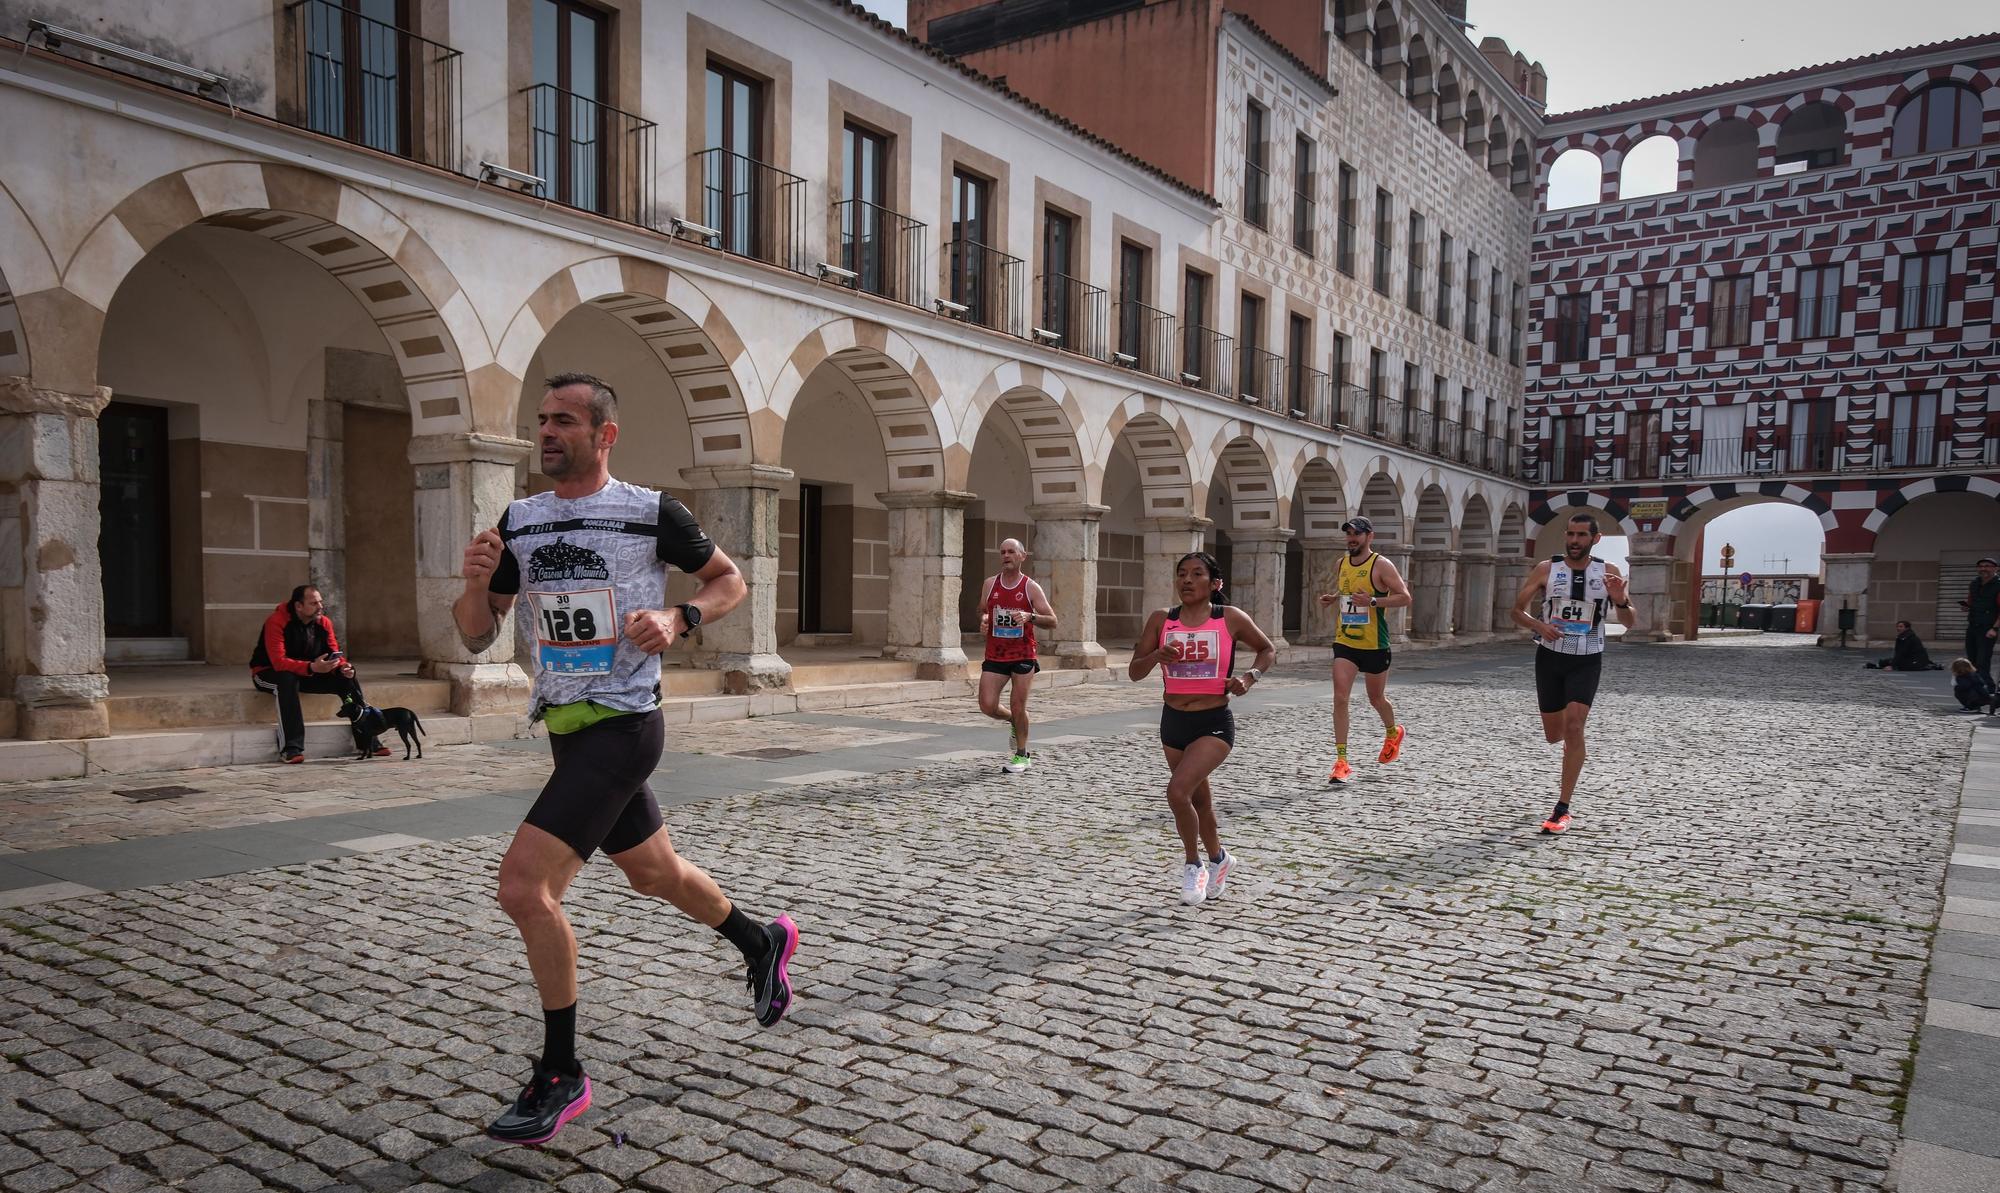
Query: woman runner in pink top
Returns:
{"type": "Point", "coordinates": [1197, 644]}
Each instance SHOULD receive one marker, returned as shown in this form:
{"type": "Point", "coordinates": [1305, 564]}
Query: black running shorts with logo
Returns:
{"type": "Point", "coordinates": [598, 797]}
{"type": "Point", "coordinates": [1020, 667]}
{"type": "Point", "coordinates": [1368, 662]}
{"type": "Point", "coordinates": [1179, 729]}
{"type": "Point", "coordinates": [1565, 679]}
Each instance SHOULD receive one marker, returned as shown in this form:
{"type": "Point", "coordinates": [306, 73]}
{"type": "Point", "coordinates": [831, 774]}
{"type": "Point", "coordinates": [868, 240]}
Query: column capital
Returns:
{"type": "Point", "coordinates": [1261, 538]}
{"type": "Point", "coordinates": [1847, 557]}
{"type": "Point", "coordinates": [738, 476]}
{"type": "Point", "coordinates": [935, 499]}
{"type": "Point", "coordinates": [471, 446]}
{"type": "Point", "coordinates": [1072, 511]}
{"type": "Point", "coordinates": [17, 396]}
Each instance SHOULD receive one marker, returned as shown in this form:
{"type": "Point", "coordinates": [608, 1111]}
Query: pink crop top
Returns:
{"type": "Point", "coordinates": [1204, 671]}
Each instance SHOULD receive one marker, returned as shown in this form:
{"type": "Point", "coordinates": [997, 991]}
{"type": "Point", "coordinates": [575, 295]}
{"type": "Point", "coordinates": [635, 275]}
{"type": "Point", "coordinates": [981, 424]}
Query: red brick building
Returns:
{"type": "Point", "coordinates": [1808, 317]}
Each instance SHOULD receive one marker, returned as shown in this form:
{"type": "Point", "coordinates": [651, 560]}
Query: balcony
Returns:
{"type": "Point", "coordinates": [757, 210]}
{"type": "Point", "coordinates": [1352, 409]}
{"type": "Point", "coordinates": [1502, 458]}
{"type": "Point", "coordinates": [883, 249]}
{"type": "Point", "coordinates": [372, 84]}
{"type": "Point", "coordinates": [1208, 360]}
{"type": "Point", "coordinates": [591, 155]}
{"type": "Point", "coordinates": [987, 283]}
{"type": "Point", "coordinates": [1386, 416]}
{"type": "Point", "coordinates": [1260, 377]}
{"type": "Point", "coordinates": [1448, 439]}
{"type": "Point", "coordinates": [1417, 427]}
{"type": "Point", "coordinates": [1148, 335]}
{"type": "Point", "coordinates": [1309, 395]}
{"type": "Point", "coordinates": [1076, 311]}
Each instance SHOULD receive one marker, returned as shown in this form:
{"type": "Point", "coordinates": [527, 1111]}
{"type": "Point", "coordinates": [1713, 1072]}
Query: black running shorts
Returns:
{"type": "Point", "coordinates": [598, 797]}
{"type": "Point", "coordinates": [1368, 662]}
{"type": "Point", "coordinates": [1565, 679]}
{"type": "Point", "coordinates": [1018, 667]}
{"type": "Point", "coordinates": [1179, 729]}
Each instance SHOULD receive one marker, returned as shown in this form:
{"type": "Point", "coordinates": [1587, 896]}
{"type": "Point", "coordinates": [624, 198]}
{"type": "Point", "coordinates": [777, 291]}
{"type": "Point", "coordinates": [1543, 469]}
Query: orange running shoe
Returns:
{"type": "Point", "coordinates": [1341, 772]}
{"type": "Point", "coordinates": [1392, 745]}
{"type": "Point", "coordinates": [1559, 824]}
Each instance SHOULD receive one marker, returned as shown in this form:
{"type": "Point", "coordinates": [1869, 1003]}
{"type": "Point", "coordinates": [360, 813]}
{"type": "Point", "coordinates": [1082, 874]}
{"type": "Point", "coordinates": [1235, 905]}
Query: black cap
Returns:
{"type": "Point", "coordinates": [1989, 559]}
{"type": "Point", "coordinates": [1358, 526]}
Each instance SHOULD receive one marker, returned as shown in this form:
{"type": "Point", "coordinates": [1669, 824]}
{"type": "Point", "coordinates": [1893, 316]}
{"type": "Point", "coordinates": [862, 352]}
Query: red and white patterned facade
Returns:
{"type": "Point", "coordinates": [1702, 406]}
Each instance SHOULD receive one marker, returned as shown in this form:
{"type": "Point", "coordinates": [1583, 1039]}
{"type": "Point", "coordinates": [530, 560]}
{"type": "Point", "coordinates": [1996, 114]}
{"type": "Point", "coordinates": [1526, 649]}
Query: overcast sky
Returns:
{"type": "Point", "coordinates": [1605, 51]}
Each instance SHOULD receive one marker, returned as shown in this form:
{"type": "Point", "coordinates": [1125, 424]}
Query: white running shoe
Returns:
{"type": "Point", "coordinates": [1194, 884]}
{"type": "Point", "coordinates": [1218, 874]}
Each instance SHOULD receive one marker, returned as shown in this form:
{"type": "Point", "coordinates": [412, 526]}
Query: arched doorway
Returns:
{"type": "Point", "coordinates": [1150, 519]}
{"type": "Point", "coordinates": [1925, 554]}
{"type": "Point", "coordinates": [1381, 502]}
{"type": "Point", "coordinates": [1473, 597]}
{"type": "Point", "coordinates": [1246, 536]}
{"type": "Point", "coordinates": [1312, 557]}
{"type": "Point", "coordinates": [1432, 575]}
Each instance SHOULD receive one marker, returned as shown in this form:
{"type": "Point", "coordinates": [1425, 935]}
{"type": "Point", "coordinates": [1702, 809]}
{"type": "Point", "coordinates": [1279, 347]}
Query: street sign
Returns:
{"type": "Point", "coordinates": [1745, 578]}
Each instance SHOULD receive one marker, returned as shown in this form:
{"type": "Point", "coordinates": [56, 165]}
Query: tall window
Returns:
{"type": "Point", "coordinates": [1472, 297]}
{"type": "Point", "coordinates": [970, 280]}
{"type": "Point", "coordinates": [1912, 430]}
{"type": "Point", "coordinates": [1444, 279]}
{"type": "Point", "coordinates": [570, 69]}
{"type": "Point", "coordinates": [1059, 298]}
{"type": "Point", "coordinates": [355, 88]}
{"type": "Point", "coordinates": [1941, 116]}
{"type": "Point", "coordinates": [1415, 295]}
{"type": "Point", "coordinates": [1412, 395]}
{"type": "Point", "coordinates": [1649, 320]}
{"type": "Point", "coordinates": [1345, 247]}
{"type": "Point", "coordinates": [1256, 173]}
{"type": "Point", "coordinates": [1132, 295]}
{"type": "Point", "coordinates": [1819, 302]}
{"type": "Point", "coordinates": [1517, 310]}
{"type": "Point", "coordinates": [1378, 380]}
{"type": "Point", "coordinates": [1642, 446]}
{"type": "Point", "coordinates": [1811, 448]}
{"type": "Point", "coordinates": [1565, 448]}
{"type": "Point", "coordinates": [1382, 225]}
{"type": "Point", "coordinates": [1493, 315]}
{"type": "Point", "coordinates": [1924, 288]}
{"type": "Point", "coordinates": [732, 196]}
{"type": "Point", "coordinates": [1298, 352]}
{"type": "Point", "coordinates": [1729, 312]}
{"type": "Point", "coordinates": [1195, 352]}
{"type": "Point", "coordinates": [1249, 338]}
{"type": "Point", "coordinates": [1339, 359]}
{"type": "Point", "coordinates": [864, 168]}
{"type": "Point", "coordinates": [1572, 336]}
{"type": "Point", "coordinates": [1305, 210]}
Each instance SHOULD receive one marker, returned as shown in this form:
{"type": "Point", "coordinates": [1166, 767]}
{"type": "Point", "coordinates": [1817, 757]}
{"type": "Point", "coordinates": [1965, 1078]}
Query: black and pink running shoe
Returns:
{"type": "Point", "coordinates": [770, 979]}
{"type": "Point", "coordinates": [549, 1101]}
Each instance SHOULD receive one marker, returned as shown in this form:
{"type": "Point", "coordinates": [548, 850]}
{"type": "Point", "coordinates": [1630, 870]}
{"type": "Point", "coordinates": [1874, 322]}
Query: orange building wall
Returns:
{"type": "Point", "coordinates": [1143, 80]}
{"type": "Point", "coordinates": [1299, 28]}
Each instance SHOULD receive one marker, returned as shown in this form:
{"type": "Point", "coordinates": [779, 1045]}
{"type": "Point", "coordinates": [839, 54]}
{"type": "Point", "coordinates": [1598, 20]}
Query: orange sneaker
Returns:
{"type": "Point", "coordinates": [1341, 772]}
{"type": "Point", "coordinates": [1559, 824]}
{"type": "Point", "coordinates": [1392, 745]}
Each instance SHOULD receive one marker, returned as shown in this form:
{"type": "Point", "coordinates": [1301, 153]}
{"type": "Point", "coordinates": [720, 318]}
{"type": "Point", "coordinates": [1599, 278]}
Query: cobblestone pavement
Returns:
{"type": "Point", "coordinates": [1713, 981]}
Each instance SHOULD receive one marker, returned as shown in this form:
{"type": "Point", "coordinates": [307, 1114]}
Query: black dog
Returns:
{"type": "Point", "coordinates": [370, 723]}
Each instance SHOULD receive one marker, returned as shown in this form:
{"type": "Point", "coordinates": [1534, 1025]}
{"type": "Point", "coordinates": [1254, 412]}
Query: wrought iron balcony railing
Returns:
{"type": "Point", "coordinates": [1149, 336]}
{"type": "Point", "coordinates": [371, 83]}
{"type": "Point", "coordinates": [1076, 311]}
{"type": "Point", "coordinates": [1260, 377]}
{"type": "Point", "coordinates": [1387, 418]}
{"type": "Point", "coordinates": [883, 249]}
{"type": "Point", "coordinates": [988, 285]}
{"type": "Point", "coordinates": [591, 155]}
{"type": "Point", "coordinates": [757, 210]}
{"type": "Point", "coordinates": [1309, 395]}
{"type": "Point", "coordinates": [1208, 360]}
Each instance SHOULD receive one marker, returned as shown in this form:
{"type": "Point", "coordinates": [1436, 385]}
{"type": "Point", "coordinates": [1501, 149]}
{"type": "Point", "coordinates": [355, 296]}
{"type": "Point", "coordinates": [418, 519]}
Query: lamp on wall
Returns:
{"type": "Point", "coordinates": [681, 225]}
{"type": "Point", "coordinates": [846, 277]}
{"type": "Point", "coordinates": [946, 306]}
{"type": "Point", "coordinates": [1124, 358]}
{"type": "Point", "coordinates": [55, 37]}
{"type": "Point", "coordinates": [1052, 338]}
{"type": "Point", "coordinates": [494, 172]}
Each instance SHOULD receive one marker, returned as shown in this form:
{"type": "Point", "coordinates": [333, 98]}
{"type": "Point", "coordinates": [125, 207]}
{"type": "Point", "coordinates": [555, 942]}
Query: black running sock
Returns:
{"type": "Point", "coordinates": [559, 1041]}
{"type": "Point", "coordinates": [1217, 859]}
{"type": "Point", "coordinates": [1562, 810]}
{"type": "Point", "coordinates": [746, 934]}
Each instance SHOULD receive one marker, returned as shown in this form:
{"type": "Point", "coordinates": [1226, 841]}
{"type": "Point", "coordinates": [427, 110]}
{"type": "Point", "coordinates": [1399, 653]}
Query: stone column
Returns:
{"type": "Point", "coordinates": [1166, 540]}
{"type": "Point", "coordinates": [326, 506]}
{"type": "Point", "coordinates": [926, 568]}
{"type": "Point", "coordinates": [1434, 583]}
{"type": "Point", "coordinates": [1847, 581]}
{"type": "Point", "coordinates": [1399, 620]}
{"type": "Point", "coordinates": [1475, 579]}
{"type": "Point", "coordinates": [738, 507]}
{"type": "Point", "coordinates": [1509, 573]}
{"type": "Point", "coordinates": [1650, 574]}
{"type": "Point", "coordinates": [1322, 564]}
{"type": "Point", "coordinates": [51, 580]}
{"type": "Point", "coordinates": [463, 485]}
{"type": "Point", "coordinates": [1066, 559]}
{"type": "Point", "coordinates": [1258, 587]}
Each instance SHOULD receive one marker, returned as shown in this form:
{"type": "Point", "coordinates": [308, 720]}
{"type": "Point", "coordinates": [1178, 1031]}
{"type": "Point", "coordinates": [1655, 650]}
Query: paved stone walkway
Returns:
{"type": "Point", "coordinates": [1714, 981]}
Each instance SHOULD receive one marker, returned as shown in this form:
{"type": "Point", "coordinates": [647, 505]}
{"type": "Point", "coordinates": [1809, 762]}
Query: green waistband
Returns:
{"type": "Point", "coordinates": [582, 714]}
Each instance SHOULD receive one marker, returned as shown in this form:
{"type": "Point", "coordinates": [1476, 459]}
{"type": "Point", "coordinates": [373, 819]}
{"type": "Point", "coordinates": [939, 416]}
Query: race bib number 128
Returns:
{"type": "Point", "coordinates": [576, 632]}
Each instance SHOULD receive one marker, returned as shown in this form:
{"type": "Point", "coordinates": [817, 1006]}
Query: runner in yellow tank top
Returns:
{"type": "Point", "coordinates": [1366, 585]}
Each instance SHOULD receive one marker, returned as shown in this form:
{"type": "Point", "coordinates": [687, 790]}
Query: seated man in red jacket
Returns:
{"type": "Point", "coordinates": [297, 652]}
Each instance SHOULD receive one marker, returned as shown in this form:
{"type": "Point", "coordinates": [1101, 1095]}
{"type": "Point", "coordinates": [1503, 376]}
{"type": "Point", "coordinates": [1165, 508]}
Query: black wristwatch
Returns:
{"type": "Point", "coordinates": [691, 617]}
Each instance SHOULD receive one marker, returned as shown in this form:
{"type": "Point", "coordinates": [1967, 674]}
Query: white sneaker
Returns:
{"type": "Point", "coordinates": [1194, 884]}
{"type": "Point", "coordinates": [1218, 874]}
{"type": "Point", "coordinates": [1016, 764]}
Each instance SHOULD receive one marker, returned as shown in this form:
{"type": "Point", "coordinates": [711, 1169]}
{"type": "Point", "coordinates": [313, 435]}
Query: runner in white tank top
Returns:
{"type": "Point", "coordinates": [1576, 590]}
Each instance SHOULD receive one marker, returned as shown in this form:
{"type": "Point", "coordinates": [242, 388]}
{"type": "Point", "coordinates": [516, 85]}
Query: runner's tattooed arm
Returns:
{"type": "Point", "coordinates": [479, 612]}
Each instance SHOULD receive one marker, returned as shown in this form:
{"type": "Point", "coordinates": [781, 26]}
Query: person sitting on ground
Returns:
{"type": "Point", "coordinates": [1910, 653]}
{"type": "Point", "coordinates": [1974, 691]}
{"type": "Point", "coordinates": [297, 652]}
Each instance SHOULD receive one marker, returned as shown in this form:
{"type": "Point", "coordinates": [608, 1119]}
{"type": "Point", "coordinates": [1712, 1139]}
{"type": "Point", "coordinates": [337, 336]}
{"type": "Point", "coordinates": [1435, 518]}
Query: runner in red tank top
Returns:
{"type": "Point", "coordinates": [1011, 608]}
